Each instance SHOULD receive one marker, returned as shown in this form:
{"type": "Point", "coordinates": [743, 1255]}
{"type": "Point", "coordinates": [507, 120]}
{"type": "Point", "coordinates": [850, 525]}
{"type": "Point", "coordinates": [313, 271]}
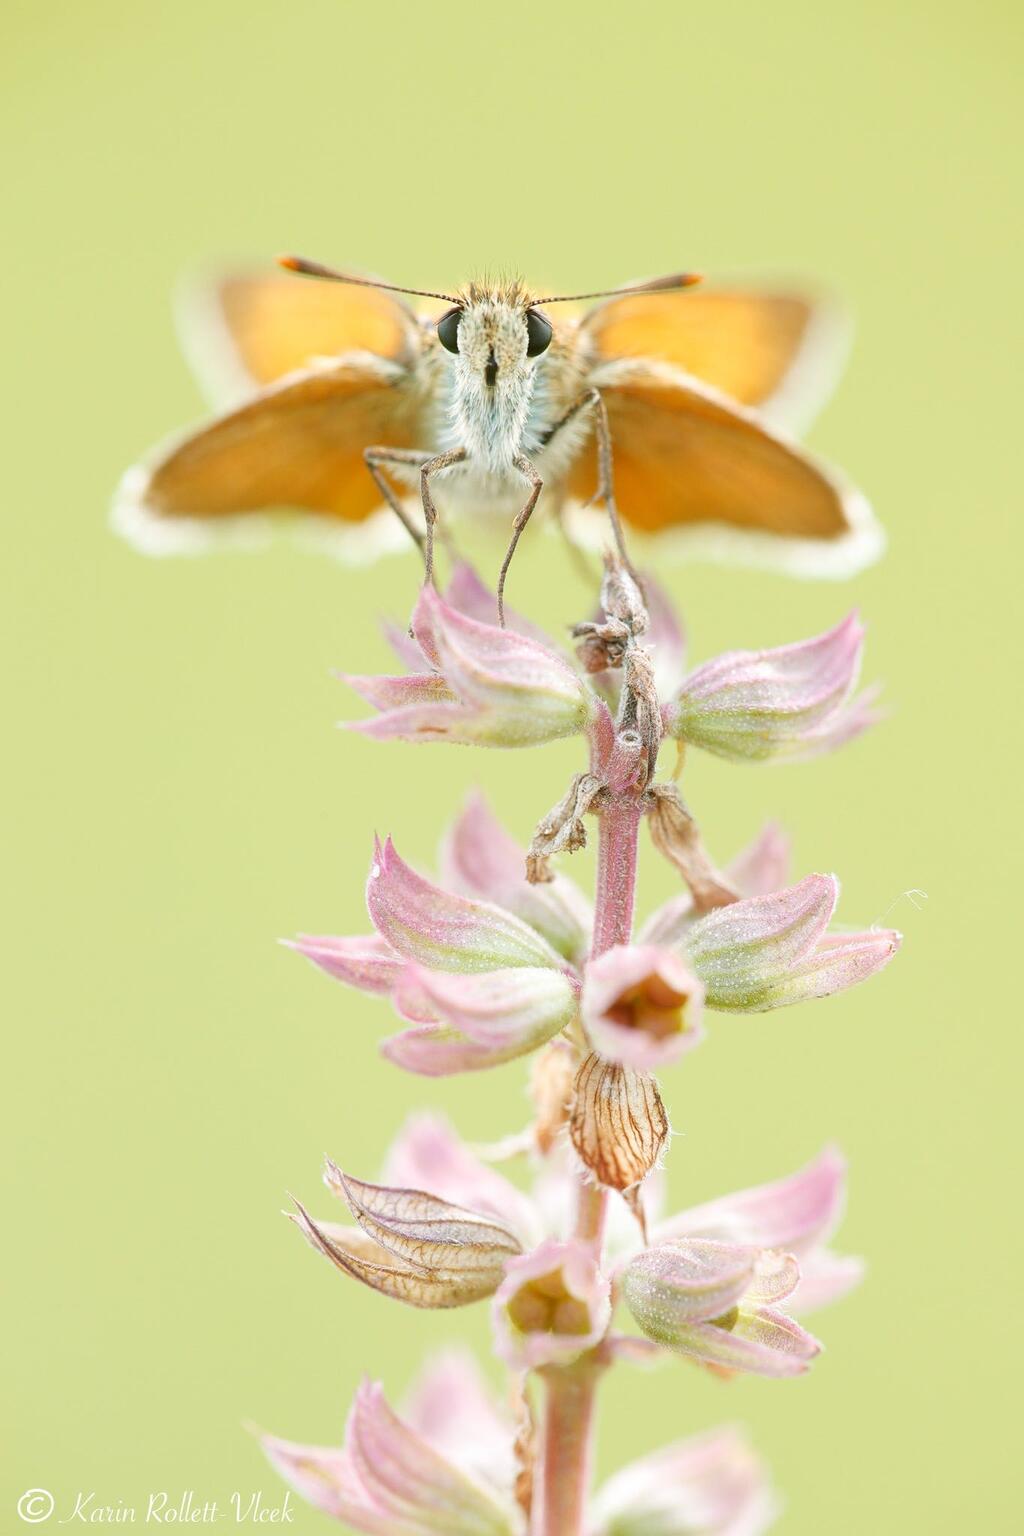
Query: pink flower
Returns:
{"type": "Point", "coordinates": [718, 1303]}
{"type": "Point", "coordinates": [393, 1478]}
{"type": "Point", "coordinates": [553, 1304]}
{"type": "Point", "coordinates": [485, 685]}
{"type": "Point", "coordinates": [494, 968]}
{"type": "Point", "coordinates": [798, 1213]}
{"type": "Point", "coordinates": [793, 702]}
{"type": "Point", "coordinates": [447, 1464]}
{"type": "Point", "coordinates": [642, 1006]}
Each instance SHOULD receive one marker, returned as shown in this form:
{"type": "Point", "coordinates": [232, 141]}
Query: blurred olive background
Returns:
{"type": "Point", "coordinates": [179, 797]}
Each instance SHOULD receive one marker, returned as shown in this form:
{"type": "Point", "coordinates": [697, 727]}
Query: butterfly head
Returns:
{"type": "Point", "coordinates": [496, 333]}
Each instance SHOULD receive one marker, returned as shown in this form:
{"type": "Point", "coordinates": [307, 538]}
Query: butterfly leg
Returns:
{"type": "Point", "coordinates": [374, 459]}
{"type": "Point", "coordinates": [605, 492]}
{"type": "Point", "coordinates": [431, 467]}
{"type": "Point", "coordinates": [528, 472]}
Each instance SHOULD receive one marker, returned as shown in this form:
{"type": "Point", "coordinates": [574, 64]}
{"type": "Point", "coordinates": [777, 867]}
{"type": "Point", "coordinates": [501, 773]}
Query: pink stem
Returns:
{"type": "Point", "coordinates": [560, 1503]}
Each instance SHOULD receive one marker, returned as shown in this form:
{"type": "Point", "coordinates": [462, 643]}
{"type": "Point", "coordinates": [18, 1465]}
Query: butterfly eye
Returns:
{"type": "Point", "coordinates": [448, 330]}
{"type": "Point", "coordinates": [538, 333]}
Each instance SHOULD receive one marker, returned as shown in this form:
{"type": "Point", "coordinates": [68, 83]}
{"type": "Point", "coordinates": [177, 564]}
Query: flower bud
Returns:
{"type": "Point", "coordinates": [749, 706]}
{"type": "Point", "coordinates": [716, 1302]}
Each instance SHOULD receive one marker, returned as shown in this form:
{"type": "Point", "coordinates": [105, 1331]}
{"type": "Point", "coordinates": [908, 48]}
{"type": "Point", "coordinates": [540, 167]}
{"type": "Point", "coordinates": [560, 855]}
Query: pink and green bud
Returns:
{"type": "Point", "coordinates": [445, 932]}
{"type": "Point", "coordinates": [718, 1303]}
{"type": "Point", "coordinates": [389, 1480]}
{"type": "Point", "coordinates": [770, 951]}
{"type": "Point", "coordinates": [495, 1015]}
{"type": "Point", "coordinates": [488, 686]}
{"type": "Point", "coordinates": [641, 1006]}
{"type": "Point", "coordinates": [712, 1485]}
{"type": "Point", "coordinates": [790, 702]}
{"type": "Point", "coordinates": [412, 1246]}
{"type": "Point", "coordinates": [553, 1304]}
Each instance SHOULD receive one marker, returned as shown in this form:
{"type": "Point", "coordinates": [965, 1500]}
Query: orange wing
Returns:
{"type": "Point", "coordinates": [245, 330]}
{"type": "Point", "coordinates": [686, 457]}
{"type": "Point", "coordinates": [779, 352]}
{"type": "Point", "coordinates": [297, 444]}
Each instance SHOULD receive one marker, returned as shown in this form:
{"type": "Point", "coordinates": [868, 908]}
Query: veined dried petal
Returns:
{"type": "Point", "coordinates": [618, 1123]}
{"type": "Point", "coordinates": [445, 932]}
{"type": "Point", "coordinates": [356, 1254]}
{"type": "Point", "coordinates": [428, 1154]}
{"type": "Point", "coordinates": [413, 1246]}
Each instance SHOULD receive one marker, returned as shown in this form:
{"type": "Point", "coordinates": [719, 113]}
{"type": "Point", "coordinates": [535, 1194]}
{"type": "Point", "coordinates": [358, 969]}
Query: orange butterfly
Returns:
{"type": "Point", "coordinates": [336, 392]}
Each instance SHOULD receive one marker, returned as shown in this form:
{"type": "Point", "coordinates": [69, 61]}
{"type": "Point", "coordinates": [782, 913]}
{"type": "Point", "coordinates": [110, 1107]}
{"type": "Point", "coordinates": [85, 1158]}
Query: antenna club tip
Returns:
{"type": "Point", "coordinates": [290, 263]}
{"type": "Point", "coordinates": [691, 279]}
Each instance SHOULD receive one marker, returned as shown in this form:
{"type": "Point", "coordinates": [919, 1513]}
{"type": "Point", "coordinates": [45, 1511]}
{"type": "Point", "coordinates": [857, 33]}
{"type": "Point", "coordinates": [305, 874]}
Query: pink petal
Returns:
{"type": "Point", "coordinates": [325, 1477]}
{"type": "Point", "coordinates": [840, 961]}
{"type": "Point", "coordinates": [480, 859]}
{"type": "Point", "coordinates": [407, 1477]}
{"type": "Point", "coordinates": [762, 1342]}
{"type": "Point", "coordinates": [712, 1484]}
{"type": "Point", "coordinates": [469, 596]}
{"type": "Point", "coordinates": [793, 1213]}
{"type": "Point", "coordinates": [438, 1051]}
{"type": "Point", "coordinates": [428, 1154]}
{"type": "Point", "coordinates": [763, 866]}
{"type": "Point", "coordinates": [824, 1277]}
{"type": "Point", "coordinates": [440, 930]}
{"type": "Point", "coordinates": [405, 647]}
{"type": "Point", "coordinates": [576, 1324]}
{"type": "Point", "coordinates": [389, 693]}
{"type": "Point", "coordinates": [498, 669]}
{"type": "Point", "coordinates": [452, 1409]}
{"type": "Point", "coordinates": [368, 963]}
{"type": "Point", "coordinates": [641, 1006]}
{"type": "Point", "coordinates": [520, 1007]}
{"type": "Point", "coordinates": [665, 636]}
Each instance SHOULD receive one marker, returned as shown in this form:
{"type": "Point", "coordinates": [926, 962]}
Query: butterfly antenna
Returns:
{"type": "Point", "coordinates": [670, 284]}
{"type": "Point", "coordinates": [316, 269]}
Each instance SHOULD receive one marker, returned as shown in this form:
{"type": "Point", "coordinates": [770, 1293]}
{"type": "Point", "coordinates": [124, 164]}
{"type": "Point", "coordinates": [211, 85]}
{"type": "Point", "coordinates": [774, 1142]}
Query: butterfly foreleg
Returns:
{"type": "Point", "coordinates": [593, 400]}
{"type": "Point", "coordinates": [528, 472]}
{"type": "Point", "coordinates": [431, 467]}
{"type": "Point", "coordinates": [374, 459]}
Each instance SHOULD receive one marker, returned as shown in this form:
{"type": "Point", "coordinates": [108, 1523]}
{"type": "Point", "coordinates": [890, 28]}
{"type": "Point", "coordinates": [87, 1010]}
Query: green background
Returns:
{"type": "Point", "coordinates": [178, 795]}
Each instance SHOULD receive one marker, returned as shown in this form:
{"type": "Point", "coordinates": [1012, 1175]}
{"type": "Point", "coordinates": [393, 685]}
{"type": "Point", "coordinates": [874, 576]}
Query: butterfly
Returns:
{"type": "Point", "coordinates": [664, 401]}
